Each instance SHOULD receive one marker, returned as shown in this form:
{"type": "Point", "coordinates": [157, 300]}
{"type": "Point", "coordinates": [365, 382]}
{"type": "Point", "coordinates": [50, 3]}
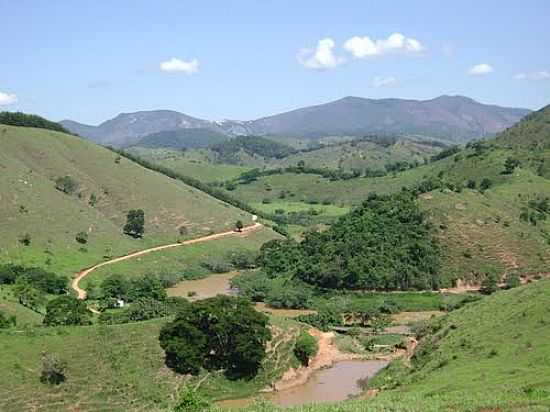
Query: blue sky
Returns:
{"type": "Point", "coordinates": [90, 60]}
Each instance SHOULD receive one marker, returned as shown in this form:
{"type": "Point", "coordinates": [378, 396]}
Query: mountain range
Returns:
{"type": "Point", "coordinates": [454, 119]}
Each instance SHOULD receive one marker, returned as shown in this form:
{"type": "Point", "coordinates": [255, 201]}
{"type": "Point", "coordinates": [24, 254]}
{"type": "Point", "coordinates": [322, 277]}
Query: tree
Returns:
{"type": "Point", "coordinates": [305, 348]}
{"type": "Point", "coordinates": [147, 287]}
{"type": "Point", "coordinates": [471, 184]}
{"type": "Point", "coordinates": [239, 225]}
{"type": "Point", "coordinates": [115, 286]}
{"type": "Point", "coordinates": [510, 165]}
{"type": "Point", "coordinates": [67, 310]}
{"type": "Point", "coordinates": [489, 284]}
{"type": "Point", "coordinates": [135, 223]}
{"type": "Point", "coordinates": [220, 333]}
{"type": "Point", "coordinates": [28, 295]}
{"type": "Point", "coordinates": [53, 369]}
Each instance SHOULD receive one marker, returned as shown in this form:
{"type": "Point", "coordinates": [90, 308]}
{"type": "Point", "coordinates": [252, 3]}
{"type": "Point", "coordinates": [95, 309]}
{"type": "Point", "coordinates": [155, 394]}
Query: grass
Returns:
{"type": "Point", "coordinates": [31, 159]}
{"type": "Point", "coordinates": [185, 260]}
{"type": "Point", "coordinates": [116, 368]}
{"type": "Point", "coordinates": [9, 304]}
{"type": "Point", "coordinates": [289, 207]}
{"type": "Point", "coordinates": [193, 163]}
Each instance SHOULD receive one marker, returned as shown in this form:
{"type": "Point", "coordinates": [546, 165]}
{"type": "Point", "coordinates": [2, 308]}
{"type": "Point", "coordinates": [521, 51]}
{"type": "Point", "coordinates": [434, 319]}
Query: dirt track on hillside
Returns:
{"type": "Point", "coordinates": [81, 293]}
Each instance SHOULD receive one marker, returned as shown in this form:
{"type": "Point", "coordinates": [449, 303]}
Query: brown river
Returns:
{"type": "Point", "coordinates": [343, 380]}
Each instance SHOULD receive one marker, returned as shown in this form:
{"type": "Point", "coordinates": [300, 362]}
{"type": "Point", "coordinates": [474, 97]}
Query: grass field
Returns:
{"type": "Point", "coordinates": [193, 163]}
{"type": "Point", "coordinates": [30, 162]}
{"type": "Point", "coordinates": [185, 260]}
{"type": "Point", "coordinates": [117, 368]}
{"type": "Point", "coordinates": [11, 306]}
{"type": "Point", "coordinates": [289, 207]}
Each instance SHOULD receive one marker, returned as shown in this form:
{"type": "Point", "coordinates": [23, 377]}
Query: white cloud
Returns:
{"type": "Point", "coordinates": [384, 81]}
{"type": "Point", "coordinates": [480, 69]}
{"type": "Point", "coordinates": [6, 98]}
{"type": "Point", "coordinates": [320, 58]}
{"type": "Point", "coordinates": [176, 65]}
{"type": "Point", "coordinates": [362, 47]}
{"type": "Point", "coordinates": [542, 75]}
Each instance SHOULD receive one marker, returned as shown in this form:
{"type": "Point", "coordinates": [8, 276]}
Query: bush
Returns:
{"type": "Point", "coordinates": [512, 281]}
{"type": "Point", "coordinates": [288, 295]}
{"type": "Point", "coordinates": [217, 265]}
{"type": "Point", "coordinates": [81, 237]}
{"type": "Point", "coordinates": [53, 369]}
{"type": "Point", "coordinates": [485, 184]}
{"type": "Point", "coordinates": [243, 259]}
{"type": "Point", "coordinates": [25, 239]}
{"type": "Point", "coordinates": [67, 185]}
{"type": "Point", "coordinates": [191, 401]}
{"type": "Point", "coordinates": [6, 321]}
{"type": "Point", "coordinates": [305, 348]}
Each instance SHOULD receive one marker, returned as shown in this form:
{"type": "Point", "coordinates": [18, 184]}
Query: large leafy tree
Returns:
{"type": "Point", "coordinates": [135, 223]}
{"type": "Point", "coordinates": [67, 310]}
{"type": "Point", "coordinates": [221, 333]}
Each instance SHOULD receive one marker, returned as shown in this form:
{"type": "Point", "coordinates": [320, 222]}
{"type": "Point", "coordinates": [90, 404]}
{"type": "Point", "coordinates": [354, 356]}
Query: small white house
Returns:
{"type": "Point", "coordinates": [119, 303]}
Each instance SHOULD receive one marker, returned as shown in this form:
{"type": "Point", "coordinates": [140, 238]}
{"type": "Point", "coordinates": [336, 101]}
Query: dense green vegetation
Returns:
{"type": "Point", "coordinates": [221, 333]}
{"type": "Point", "coordinates": [229, 150]}
{"type": "Point", "coordinates": [191, 138]}
{"type": "Point", "coordinates": [30, 120]}
{"type": "Point", "coordinates": [386, 244]}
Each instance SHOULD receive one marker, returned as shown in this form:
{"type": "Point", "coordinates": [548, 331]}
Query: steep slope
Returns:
{"type": "Point", "coordinates": [533, 132]}
{"type": "Point", "coordinates": [449, 118]}
{"type": "Point", "coordinates": [108, 186]}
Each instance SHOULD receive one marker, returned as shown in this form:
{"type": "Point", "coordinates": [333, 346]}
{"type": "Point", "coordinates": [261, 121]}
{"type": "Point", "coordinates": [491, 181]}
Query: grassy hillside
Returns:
{"type": "Point", "coordinates": [198, 164]}
{"type": "Point", "coordinates": [186, 262]}
{"type": "Point", "coordinates": [488, 356]}
{"type": "Point", "coordinates": [117, 368]}
{"type": "Point", "coordinates": [182, 139]}
{"type": "Point", "coordinates": [107, 187]}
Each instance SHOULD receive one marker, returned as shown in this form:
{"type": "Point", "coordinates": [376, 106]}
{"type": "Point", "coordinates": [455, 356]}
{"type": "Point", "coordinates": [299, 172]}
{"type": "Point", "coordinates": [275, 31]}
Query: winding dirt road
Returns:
{"type": "Point", "coordinates": [81, 293]}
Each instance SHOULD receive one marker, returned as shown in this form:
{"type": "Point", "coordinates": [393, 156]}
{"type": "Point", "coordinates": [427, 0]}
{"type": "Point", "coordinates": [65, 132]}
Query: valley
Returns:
{"type": "Point", "coordinates": [436, 232]}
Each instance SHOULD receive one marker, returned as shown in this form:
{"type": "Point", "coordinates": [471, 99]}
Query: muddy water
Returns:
{"type": "Point", "coordinates": [204, 288]}
{"type": "Point", "coordinates": [340, 382]}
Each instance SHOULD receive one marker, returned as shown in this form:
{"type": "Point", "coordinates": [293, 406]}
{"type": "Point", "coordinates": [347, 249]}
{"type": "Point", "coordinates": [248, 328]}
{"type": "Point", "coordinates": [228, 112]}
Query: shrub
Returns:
{"type": "Point", "coordinates": [512, 281]}
{"type": "Point", "coordinates": [67, 185]}
{"type": "Point", "coordinates": [243, 259]}
{"type": "Point", "coordinates": [6, 321]}
{"type": "Point", "coordinates": [485, 184]}
{"type": "Point", "coordinates": [82, 237]}
{"type": "Point", "coordinates": [191, 401]}
{"type": "Point", "coordinates": [53, 369]}
{"type": "Point", "coordinates": [25, 239]}
{"type": "Point", "coordinates": [305, 348]}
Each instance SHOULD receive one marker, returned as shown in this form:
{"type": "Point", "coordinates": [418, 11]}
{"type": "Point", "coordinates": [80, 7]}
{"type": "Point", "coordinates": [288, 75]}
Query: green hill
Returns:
{"type": "Point", "coordinates": [103, 187]}
{"type": "Point", "coordinates": [182, 139]}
